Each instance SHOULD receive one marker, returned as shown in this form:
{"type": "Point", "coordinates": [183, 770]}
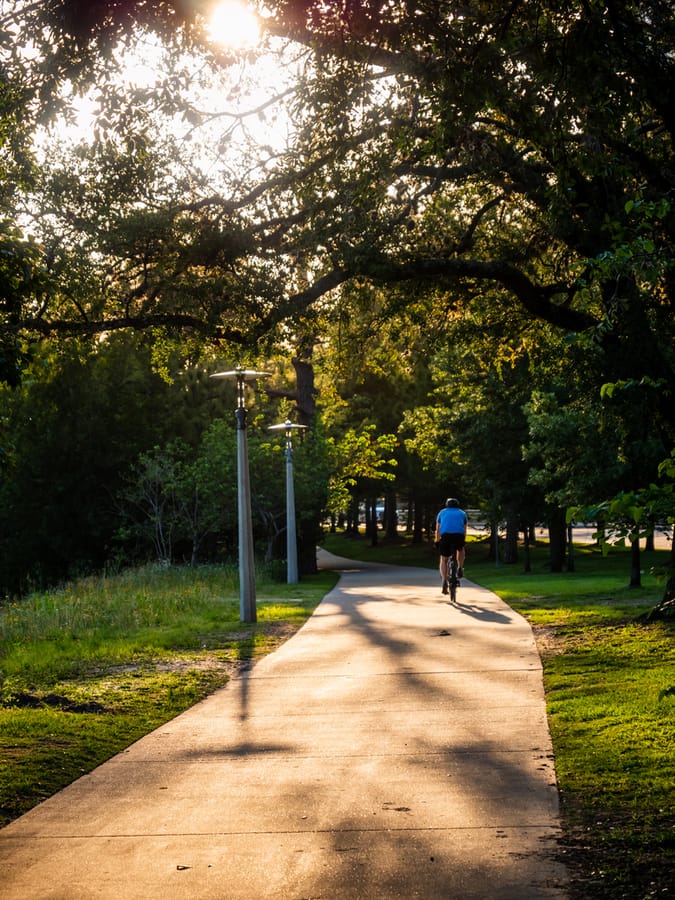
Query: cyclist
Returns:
{"type": "Point", "coordinates": [451, 523]}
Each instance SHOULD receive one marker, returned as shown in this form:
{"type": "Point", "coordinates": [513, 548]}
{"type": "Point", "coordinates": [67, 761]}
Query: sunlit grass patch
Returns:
{"type": "Point", "coordinates": [608, 679]}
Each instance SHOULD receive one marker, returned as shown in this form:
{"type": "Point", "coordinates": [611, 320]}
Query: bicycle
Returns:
{"type": "Point", "coordinates": [452, 582]}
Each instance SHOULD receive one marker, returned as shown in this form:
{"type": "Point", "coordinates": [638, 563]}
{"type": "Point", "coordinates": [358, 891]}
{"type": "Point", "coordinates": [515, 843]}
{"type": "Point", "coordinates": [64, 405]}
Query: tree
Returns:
{"type": "Point", "coordinates": [571, 454]}
{"type": "Point", "coordinates": [69, 433]}
{"type": "Point", "coordinates": [434, 164]}
{"type": "Point", "coordinates": [408, 169]}
{"type": "Point", "coordinates": [662, 497]}
{"type": "Point", "coordinates": [152, 494]}
{"type": "Point", "coordinates": [373, 366]}
{"type": "Point", "coordinates": [405, 172]}
{"type": "Point", "coordinates": [358, 457]}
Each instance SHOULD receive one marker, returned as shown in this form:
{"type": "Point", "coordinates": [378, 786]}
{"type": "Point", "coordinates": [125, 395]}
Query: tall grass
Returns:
{"type": "Point", "coordinates": [98, 621]}
{"type": "Point", "coordinates": [122, 603]}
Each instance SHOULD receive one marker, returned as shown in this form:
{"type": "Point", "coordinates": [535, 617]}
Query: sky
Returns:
{"type": "Point", "coordinates": [242, 87]}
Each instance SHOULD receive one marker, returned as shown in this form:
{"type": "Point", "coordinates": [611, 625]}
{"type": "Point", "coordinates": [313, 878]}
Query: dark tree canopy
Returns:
{"type": "Point", "coordinates": [440, 146]}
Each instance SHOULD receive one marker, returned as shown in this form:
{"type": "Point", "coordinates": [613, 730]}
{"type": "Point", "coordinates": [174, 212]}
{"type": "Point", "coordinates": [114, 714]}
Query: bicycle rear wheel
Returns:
{"type": "Point", "coordinates": [454, 581]}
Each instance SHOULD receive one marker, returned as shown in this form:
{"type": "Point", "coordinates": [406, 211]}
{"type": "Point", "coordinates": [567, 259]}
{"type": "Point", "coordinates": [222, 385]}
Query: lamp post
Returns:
{"type": "Point", "coordinates": [291, 539]}
{"type": "Point", "coordinates": [247, 598]}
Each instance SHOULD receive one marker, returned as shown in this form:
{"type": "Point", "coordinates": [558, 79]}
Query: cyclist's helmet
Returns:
{"type": "Point", "coordinates": [451, 501]}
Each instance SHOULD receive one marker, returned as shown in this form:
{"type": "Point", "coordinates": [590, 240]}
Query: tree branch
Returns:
{"type": "Point", "coordinates": [158, 320]}
{"type": "Point", "coordinates": [536, 299]}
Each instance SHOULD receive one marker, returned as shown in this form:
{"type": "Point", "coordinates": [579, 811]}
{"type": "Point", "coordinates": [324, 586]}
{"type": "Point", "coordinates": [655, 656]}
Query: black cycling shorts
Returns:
{"type": "Point", "coordinates": [450, 542]}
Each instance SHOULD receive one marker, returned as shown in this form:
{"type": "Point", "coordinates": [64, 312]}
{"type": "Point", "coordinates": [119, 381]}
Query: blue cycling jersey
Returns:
{"type": "Point", "coordinates": [451, 520]}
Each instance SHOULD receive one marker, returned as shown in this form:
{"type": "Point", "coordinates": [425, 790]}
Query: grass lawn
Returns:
{"type": "Point", "coordinates": [87, 670]}
{"type": "Point", "coordinates": [610, 686]}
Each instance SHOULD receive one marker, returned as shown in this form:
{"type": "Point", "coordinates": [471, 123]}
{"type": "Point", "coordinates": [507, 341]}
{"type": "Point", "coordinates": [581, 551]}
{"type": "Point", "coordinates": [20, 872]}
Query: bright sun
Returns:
{"type": "Point", "coordinates": [233, 24]}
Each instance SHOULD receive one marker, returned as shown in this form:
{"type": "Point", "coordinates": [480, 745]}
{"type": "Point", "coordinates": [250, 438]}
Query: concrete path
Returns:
{"type": "Point", "coordinates": [396, 746]}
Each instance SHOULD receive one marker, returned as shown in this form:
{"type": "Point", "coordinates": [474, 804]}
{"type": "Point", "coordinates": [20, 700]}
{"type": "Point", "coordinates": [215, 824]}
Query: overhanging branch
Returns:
{"type": "Point", "coordinates": [536, 299]}
{"type": "Point", "coordinates": [89, 328]}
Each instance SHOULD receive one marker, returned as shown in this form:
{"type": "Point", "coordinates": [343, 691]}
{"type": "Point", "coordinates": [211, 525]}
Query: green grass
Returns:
{"type": "Point", "coordinates": [610, 686]}
{"type": "Point", "coordinates": [88, 669]}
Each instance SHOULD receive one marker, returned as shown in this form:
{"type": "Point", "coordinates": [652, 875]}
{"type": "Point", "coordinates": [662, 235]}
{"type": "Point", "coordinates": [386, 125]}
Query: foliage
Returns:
{"type": "Point", "coordinates": [404, 169]}
{"type": "Point", "coordinates": [102, 455]}
{"type": "Point", "coordinates": [508, 238]}
{"type": "Point", "coordinates": [69, 432]}
{"type": "Point", "coordinates": [629, 516]}
{"type": "Point", "coordinates": [571, 449]}
{"type": "Point", "coordinates": [358, 456]}
{"type": "Point", "coordinates": [171, 500]}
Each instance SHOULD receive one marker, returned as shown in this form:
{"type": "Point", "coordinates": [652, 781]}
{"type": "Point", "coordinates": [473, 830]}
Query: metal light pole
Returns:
{"type": "Point", "coordinates": [247, 598]}
{"type": "Point", "coordinates": [291, 538]}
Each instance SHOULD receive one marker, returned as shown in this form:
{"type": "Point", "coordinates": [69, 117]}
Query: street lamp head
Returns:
{"type": "Point", "coordinates": [242, 374]}
{"type": "Point", "coordinates": [286, 426]}
{"type": "Point", "coordinates": [242, 377]}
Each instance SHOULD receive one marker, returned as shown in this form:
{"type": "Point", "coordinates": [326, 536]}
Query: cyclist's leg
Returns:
{"type": "Point", "coordinates": [454, 551]}
{"type": "Point", "coordinates": [443, 562]}
{"type": "Point", "coordinates": [461, 554]}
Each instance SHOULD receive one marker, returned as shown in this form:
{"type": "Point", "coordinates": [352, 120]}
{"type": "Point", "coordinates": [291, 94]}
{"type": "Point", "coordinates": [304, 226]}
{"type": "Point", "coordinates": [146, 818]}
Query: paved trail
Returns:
{"type": "Point", "coordinates": [395, 747]}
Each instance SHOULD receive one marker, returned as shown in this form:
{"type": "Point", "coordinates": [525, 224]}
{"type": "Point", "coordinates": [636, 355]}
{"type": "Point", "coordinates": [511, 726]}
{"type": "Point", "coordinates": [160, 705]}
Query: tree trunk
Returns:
{"type": "Point", "coordinates": [353, 519]}
{"type": "Point", "coordinates": [307, 540]}
{"type": "Point", "coordinates": [666, 608]}
{"type": "Point", "coordinates": [305, 390]}
{"type": "Point", "coordinates": [409, 517]}
{"type": "Point", "coordinates": [494, 543]}
{"type": "Point", "coordinates": [635, 578]}
{"type": "Point", "coordinates": [511, 543]}
{"type": "Point", "coordinates": [526, 549]}
{"type": "Point", "coordinates": [390, 516]}
{"type": "Point", "coordinates": [570, 549]}
{"type": "Point", "coordinates": [373, 523]}
{"type": "Point", "coordinates": [305, 399]}
{"type": "Point", "coordinates": [557, 533]}
{"type": "Point", "coordinates": [417, 523]}
{"type": "Point", "coordinates": [430, 523]}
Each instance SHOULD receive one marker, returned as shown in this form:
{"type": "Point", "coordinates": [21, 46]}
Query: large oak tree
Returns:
{"type": "Point", "coordinates": [527, 145]}
{"type": "Point", "coordinates": [522, 150]}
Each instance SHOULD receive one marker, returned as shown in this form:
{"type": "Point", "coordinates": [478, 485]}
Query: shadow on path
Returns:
{"type": "Point", "coordinates": [395, 746]}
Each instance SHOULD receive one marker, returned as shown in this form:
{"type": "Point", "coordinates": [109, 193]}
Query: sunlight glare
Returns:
{"type": "Point", "coordinates": [233, 24]}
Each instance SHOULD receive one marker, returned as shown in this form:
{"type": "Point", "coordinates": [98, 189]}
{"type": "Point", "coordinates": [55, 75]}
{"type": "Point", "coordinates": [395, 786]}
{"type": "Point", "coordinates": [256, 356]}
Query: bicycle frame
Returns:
{"type": "Point", "coordinates": [453, 580]}
{"type": "Point", "coordinates": [450, 578]}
